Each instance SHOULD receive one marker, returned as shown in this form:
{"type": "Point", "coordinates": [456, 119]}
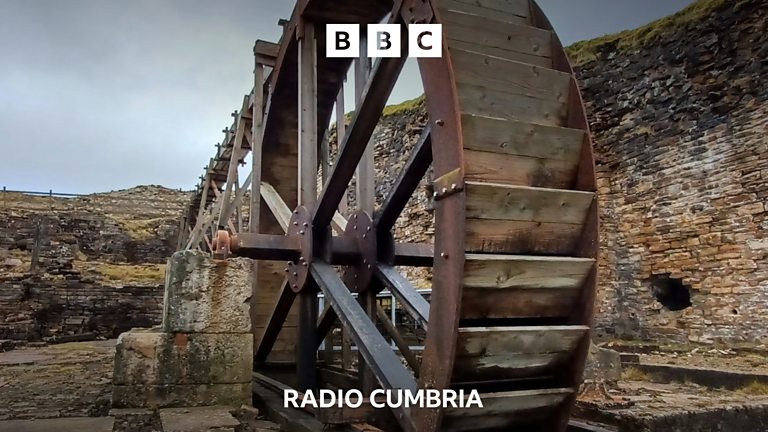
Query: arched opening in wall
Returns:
{"type": "Point", "coordinates": [671, 292]}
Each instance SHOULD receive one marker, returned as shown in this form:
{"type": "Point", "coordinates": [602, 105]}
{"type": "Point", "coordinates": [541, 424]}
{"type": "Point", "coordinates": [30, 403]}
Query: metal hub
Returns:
{"type": "Point", "coordinates": [300, 227]}
{"type": "Point", "coordinates": [361, 230]}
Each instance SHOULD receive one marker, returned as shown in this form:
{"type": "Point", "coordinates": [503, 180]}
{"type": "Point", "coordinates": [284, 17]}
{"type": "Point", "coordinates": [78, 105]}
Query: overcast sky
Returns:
{"type": "Point", "coordinates": [98, 95]}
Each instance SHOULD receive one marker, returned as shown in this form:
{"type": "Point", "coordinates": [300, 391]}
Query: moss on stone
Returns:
{"type": "Point", "coordinates": [628, 40]}
{"type": "Point", "coordinates": [405, 106]}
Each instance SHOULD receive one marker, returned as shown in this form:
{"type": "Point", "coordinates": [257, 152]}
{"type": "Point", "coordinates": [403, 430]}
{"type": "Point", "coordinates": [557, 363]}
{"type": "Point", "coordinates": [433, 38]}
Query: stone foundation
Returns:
{"type": "Point", "coordinates": [203, 353]}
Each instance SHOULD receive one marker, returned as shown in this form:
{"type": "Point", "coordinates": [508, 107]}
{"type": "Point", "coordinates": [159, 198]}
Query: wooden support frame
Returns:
{"type": "Point", "coordinates": [306, 354]}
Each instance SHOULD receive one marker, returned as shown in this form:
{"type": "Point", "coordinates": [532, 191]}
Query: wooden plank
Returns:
{"type": "Point", "coordinates": [521, 271]}
{"type": "Point", "coordinates": [518, 286]}
{"type": "Point", "coordinates": [503, 38]}
{"type": "Point", "coordinates": [517, 410]}
{"type": "Point", "coordinates": [500, 52]}
{"type": "Point", "coordinates": [522, 139]}
{"type": "Point", "coordinates": [523, 203]}
{"type": "Point", "coordinates": [510, 76]}
{"type": "Point", "coordinates": [265, 48]}
{"type": "Point", "coordinates": [484, 303]}
{"type": "Point", "coordinates": [514, 7]}
{"type": "Point", "coordinates": [498, 104]}
{"type": "Point", "coordinates": [521, 237]}
{"type": "Point", "coordinates": [491, 353]}
{"type": "Point", "coordinates": [472, 16]}
{"type": "Point", "coordinates": [482, 166]}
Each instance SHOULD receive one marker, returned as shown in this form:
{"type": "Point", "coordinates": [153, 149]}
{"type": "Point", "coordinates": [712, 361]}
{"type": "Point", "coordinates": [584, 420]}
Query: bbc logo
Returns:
{"type": "Point", "coordinates": [384, 40]}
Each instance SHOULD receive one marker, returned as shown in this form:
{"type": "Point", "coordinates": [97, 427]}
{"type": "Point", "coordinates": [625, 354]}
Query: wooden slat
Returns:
{"type": "Point", "coordinates": [472, 16]}
{"type": "Point", "coordinates": [498, 104]}
{"type": "Point", "coordinates": [500, 52]}
{"type": "Point", "coordinates": [518, 286]}
{"type": "Point", "coordinates": [491, 353]}
{"type": "Point", "coordinates": [520, 138]}
{"type": "Point", "coordinates": [506, 410]}
{"type": "Point", "coordinates": [510, 76]}
{"type": "Point", "coordinates": [522, 271]}
{"type": "Point", "coordinates": [523, 203]}
{"type": "Point", "coordinates": [520, 8]}
{"type": "Point", "coordinates": [521, 237]}
{"type": "Point", "coordinates": [484, 166]}
{"type": "Point", "coordinates": [503, 40]}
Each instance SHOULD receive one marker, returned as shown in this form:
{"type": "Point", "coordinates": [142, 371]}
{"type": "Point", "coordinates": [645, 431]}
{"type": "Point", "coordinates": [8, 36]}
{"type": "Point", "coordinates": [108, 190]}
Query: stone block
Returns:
{"type": "Point", "coordinates": [203, 295]}
{"type": "Point", "coordinates": [198, 419]}
{"type": "Point", "coordinates": [154, 358]}
{"type": "Point", "coordinates": [180, 395]}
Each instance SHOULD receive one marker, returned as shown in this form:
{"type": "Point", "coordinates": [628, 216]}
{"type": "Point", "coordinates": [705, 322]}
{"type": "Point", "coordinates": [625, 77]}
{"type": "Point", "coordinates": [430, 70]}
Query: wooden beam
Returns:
{"type": "Point", "coordinates": [306, 354]}
{"type": "Point", "coordinates": [275, 323]}
{"type": "Point", "coordinates": [256, 146]}
{"type": "Point", "coordinates": [387, 367]}
{"type": "Point", "coordinates": [405, 292]}
{"type": "Point", "coordinates": [364, 186]}
{"type": "Point", "coordinates": [402, 345]}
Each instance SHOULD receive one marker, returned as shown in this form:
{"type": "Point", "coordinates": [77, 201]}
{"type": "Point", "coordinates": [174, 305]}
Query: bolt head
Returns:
{"type": "Point", "coordinates": [440, 122]}
{"type": "Point", "coordinates": [301, 232]}
{"type": "Point", "coordinates": [444, 190]}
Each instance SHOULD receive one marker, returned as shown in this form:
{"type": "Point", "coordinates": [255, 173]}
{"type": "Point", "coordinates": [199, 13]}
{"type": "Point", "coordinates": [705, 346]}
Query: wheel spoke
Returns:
{"type": "Point", "coordinates": [402, 345]}
{"type": "Point", "coordinates": [377, 90]}
{"type": "Point", "coordinates": [275, 324]}
{"type": "Point", "coordinates": [405, 292]}
{"type": "Point", "coordinates": [406, 182]}
{"type": "Point", "coordinates": [378, 355]}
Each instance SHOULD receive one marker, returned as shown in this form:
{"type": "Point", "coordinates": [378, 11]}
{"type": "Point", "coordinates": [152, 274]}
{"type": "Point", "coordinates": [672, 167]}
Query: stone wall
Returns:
{"type": "Point", "coordinates": [97, 258]}
{"type": "Point", "coordinates": [682, 163]}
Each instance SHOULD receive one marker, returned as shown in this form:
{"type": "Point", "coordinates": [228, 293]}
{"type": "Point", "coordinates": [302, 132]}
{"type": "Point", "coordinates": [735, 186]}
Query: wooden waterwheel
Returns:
{"type": "Point", "coordinates": [515, 213]}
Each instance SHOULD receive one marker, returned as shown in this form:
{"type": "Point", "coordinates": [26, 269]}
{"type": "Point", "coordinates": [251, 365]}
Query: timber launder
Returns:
{"type": "Point", "coordinates": [515, 213]}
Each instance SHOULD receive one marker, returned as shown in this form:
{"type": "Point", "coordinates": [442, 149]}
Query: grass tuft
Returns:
{"type": "Point", "coordinates": [635, 374]}
{"type": "Point", "coordinates": [628, 40]}
{"type": "Point", "coordinates": [126, 273]}
{"type": "Point", "coordinates": [754, 389]}
{"type": "Point", "coordinates": [404, 106]}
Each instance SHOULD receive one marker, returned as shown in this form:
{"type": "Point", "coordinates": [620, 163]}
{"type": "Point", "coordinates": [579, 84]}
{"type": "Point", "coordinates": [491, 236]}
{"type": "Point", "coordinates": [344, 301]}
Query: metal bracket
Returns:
{"type": "Point", "coordinates": [448, 184]}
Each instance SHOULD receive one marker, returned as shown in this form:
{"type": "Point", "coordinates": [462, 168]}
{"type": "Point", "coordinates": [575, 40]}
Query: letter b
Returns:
{"type": "Point", "coordinates": [342, 40]}
{"type": "Point", "coordinates": [383, 40]}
